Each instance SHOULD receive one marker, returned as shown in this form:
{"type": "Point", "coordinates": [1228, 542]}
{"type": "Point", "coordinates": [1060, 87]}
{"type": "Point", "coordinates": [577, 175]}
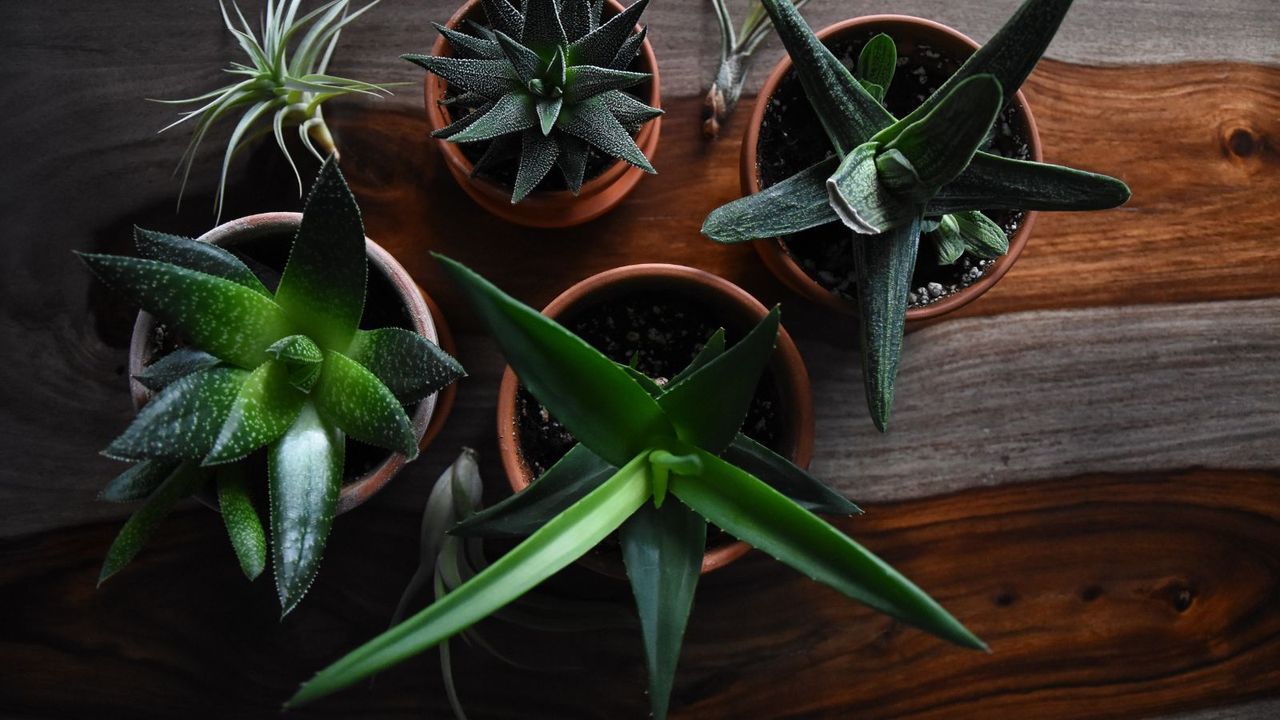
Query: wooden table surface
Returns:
{"type": "Point", "coordinates": [1084, 464]}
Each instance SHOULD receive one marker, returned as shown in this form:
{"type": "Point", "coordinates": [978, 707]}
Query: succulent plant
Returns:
{"type": "Point", "coordinates": [640, 444]}
{"type": "Point", "coordinates": [546, 83]}
{"type": "Point", "coordinates": [278, 87]}
{"type": "Point", "coordinates": [289, 372]}
{"type": "Point", "coordinates": [889, 179]}
{"type": "Point", "coordinates": [736, 51]}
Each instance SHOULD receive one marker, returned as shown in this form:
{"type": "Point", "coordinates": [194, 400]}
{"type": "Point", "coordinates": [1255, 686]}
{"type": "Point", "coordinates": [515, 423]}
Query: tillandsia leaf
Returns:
{"type": "Point", "coordinates": [411, 366]}
{"type": "Point", "coordinates": [798, 203]}
{"type": "Point", "coordinates": [755, 513]}
{"type": "Point", "coordinates": [629, 111]}
{"type": "Point", "coordinates": [630, 50]}
{"type": "Point", "coordinates": [304, 474]}
{"type": "Point", "coordinates": [244, 527]}
{"type": "Point", "coordinates": [948, 243]}
{"type": "Point", "coordinates": [489, 78]}
{"type": "Point", "coordinates": [262, 411]}
{"type": "Point", "coordinates": [182, 482]}
{"type": "Point", "coordinates": [591, 120]}
{"type": "Point", "coordinates": [941, 143]}
{"type": "Point", "coordinates": [214, 314]}
{"type": "Point", "coordinates": [595, 400]}
{"type": "Point", "coordinates": [469, 46]}
{"type": "Point", "coordinates": [991, 182]}
{"type": "Point", "coordinates": [537, 157]}
{"type": "Point", "coordinates": [575, 16]}
{"type": "Point", "coordinates": [710, 350]}
{"type": "Point", "coordinates": [981, 236]}
{"type": "Point", "coordinates": [572, 160]}
{"type": "Point", "coordinates": [182, 420]}
{"type": "Point", "coordinates": [601, 45]}
{"type": "Point", "coordinates": [707, 407]}
{"type": "Point", "coordinates": [662, 549]}
{"type": "Point", "coordinates": [353, 399]}
{"type": "Point", "coordinates": [503, 17]}
{"type": "Point", "coordinates": [784, 476]}
{"type": "Point", "coordinates": [567, 481]}
{"type": "Point", "coordinates": [585, 81]}
{"type": "Point", "coordinates": [876, 64]}
{"type": "Point", "coordinates": [139, 481]}
{"type": "Point", "coordinates": [848, 112]}
{"type": "Point", "coordinates": [301, 358]}
{"type": "Point", "coordinates": [511, 114]}
{"type": "Point", "coordinates": [861, 200]}
{"type": "Point", "coordinates": [542, 30]}
{"type": "Point", "coordinates": [561, 541]}
{"type": "Point", "coordinates": [323, 285]}
{"type": "Point", "coordinates": [525, 62]}
{"type": "Point", "coordinates": [194, 255]}
{"type": "Point", "coordinates": [883, 265]}
{"type": "Point", "coordinates": [177, 364]}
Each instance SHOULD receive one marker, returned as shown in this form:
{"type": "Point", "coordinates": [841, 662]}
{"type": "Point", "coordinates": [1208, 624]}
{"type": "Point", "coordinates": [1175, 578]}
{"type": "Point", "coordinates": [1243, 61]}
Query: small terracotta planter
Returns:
{"type": "Point", "coordinates": [545, 208]}
{"type": "Point", "coordinates": [425, 318]}
{"type": "Point", "coordinates": [899, 27]}
{"type": "Point", "coordinates": [735, 309]}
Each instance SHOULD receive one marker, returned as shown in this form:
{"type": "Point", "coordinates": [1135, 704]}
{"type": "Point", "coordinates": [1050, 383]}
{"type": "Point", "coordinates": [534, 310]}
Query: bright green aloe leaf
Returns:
{"type": "Point", "coordinates": [710, 350]}
{"type": "Point", "coordinates": [264, 408]}
{"type": "Point", "coordinates": [302, 359]}
{"type": "Point", "coordinates": [244, 527]}
{"type": "Point", "coordinates": [561, 541]}
{"type": "Point", "coordinates": [177, 364]}
{"type": "Point", "coordinates": [139, 481]}
{"type": "Point", "coordinates": [601, 45]}
{"type": "Point", "coordinates": [940, 144]}
{"type": "Point", "coordinates": [304, 478]}
{"type": "Point", "coordinates": [182, 420]}
{"type": "Point", "coordinates": [411, 366]}
{"type": "Point", "coordinates": [755, 513]}
{"type": "Point", "coordinates": [182, 482]}
{"type": "Point", "coordinates": [947, 240]}
{"type": "Point", "coordinates": [884, 265]}
{"type": "Point", "coordinates": [877, 63]}
{"type": "Point", "coordinates": [662, 549]}
{"type": "Point", "coordinates": [991, 182]}
{"type": "Point", "coordinates": [649, 384]}
{"type": "Point", "coordinates": [350, 397]}
{"type": "Point", "coordinates": [195, 255]}
{"type": "Point", "coordinates": [707, 407]}
{"type": "Point", "coordinates": [861, 200]}
{"type": "Point", "coordinates": [784, 476]}
{"type": "Point", "coordinates": [323, 285]}
{"type": "Point", "coordinates": [798, 203]}
{"type": "Point", "coordinates": [981, 235]}
{"type": "Point", "coordinates": [221, 317]}
{"type": "Point", "coordinates": [596, 401]}
{"type": "Point", "coordinates": [542, 30]}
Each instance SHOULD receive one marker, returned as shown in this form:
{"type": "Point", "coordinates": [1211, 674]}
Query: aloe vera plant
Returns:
{"type": "Point", "coordinates": [642, 444]}
{"type": "Point", "coordinates": [545, 83]}
{"type": "Point", "coordinates": [888, 180]}
{"type": "Point", "coordinates": [279, 87]}
{"type": "Point", "coordinates": [289, 373]}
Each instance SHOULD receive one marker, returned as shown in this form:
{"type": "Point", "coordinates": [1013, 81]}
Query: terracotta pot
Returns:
{"type": "Point", "coordinates": [549, 208]}
{"type": "Point", "coordinates": [431, 412]}
{"type": "Point", "coordinates": [730, 303]}
{"type": "Point", "coordinates": [776, 258]}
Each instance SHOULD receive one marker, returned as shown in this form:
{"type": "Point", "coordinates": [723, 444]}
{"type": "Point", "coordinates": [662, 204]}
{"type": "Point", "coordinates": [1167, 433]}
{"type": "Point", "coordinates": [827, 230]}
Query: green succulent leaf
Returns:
{"type": "Point", "coordinates": [177, 364]}
{"type": "Point", "coordinates": [649, 384]}
{"type": "Point", "coordinates": [710, 350]}
{"type": "Point", "coordinates": [861, 200]}
{"type": "Point", "coordinates": [629, 111]}
{"type": "Point", "coordinates": [511, 114]}
{"type": "Point", "coordinates": [501, 148]}
{"type": "Point", "coordinates": [884, 265]}
{"type": "Point", "coordinates": [464, 121]}
{"type": "Point", "coordinates": [263, 410]}
{"type": "Point", "coordinates": [503, 17]}
{"type": "Point", "coordinates": [548, 113]}
{"type": "Point", "coordinates": [572, 160]}
{"type": "Point", "coordinates": [561, 541]}
{"type": "Point", "coordinates": [575, 16]}
{"type": "Point", "coordinates": [221, 317]}
{"type": "Point", "coordinates": [981, 236]}
{"type": "Point", "coordinates": [662, 549]}
{"type": "Point", "coordinates": [784, 476]}
{"type": "Point", "coordinates": [991, 182]}
{"type": "Point", "coordinates": [183, 420]}
{"type": "Point", "coordinates": [940, 144]}
{"type": "Point", "coordinates": [195, 255]}
{"type": "Point", "coordinates": [525, 62]}
{"type": "Point", "coordinates": [537, 157]}
{"type": "Point", "coordinates": [304, 478]}
{"type": "Point", "coordinates": [592, 121]}
{"type": "Point", "coordinates": [585, 81]}
{"type": "Point", "coordinates": [629, 50]}
{"type": "Point", "coordinates": [542, 29]}
{"type": "Point", "coordinates": [353, 399]}
{"type": "Point", "coordinates": [751, 511]}
{"type": "Point", "coordinates": [947, 241]}
{"type": "Point", "coordinates": [139, 481]}
{"type": "Point", "coordinates": [181, 483]}
{"type": "Point", "coordinates": [798, 203]}
{"type": "Point", "coordinates": [323, 285]}
{"type": "Point", "coordinates": [244, 527]}
{"type": "Point", "coordinates": [598, 402]}
{"type": "Point", "coordinates": [411, 366]}
{"type": "Point", "coordinates": [301, 358]}
{"type": "Point", "coordinates": [897, 174]}
{"type": "Point", "coordinates": [601, 45]}
{"type": "Point", "coordinates": [876, 64]}
{"type": "Point", "coordinates": [469, 46]}
{"type": "Point", "coordinates": [491, 79]}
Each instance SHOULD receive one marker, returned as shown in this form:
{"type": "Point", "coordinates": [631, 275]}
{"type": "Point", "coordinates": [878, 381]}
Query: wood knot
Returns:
{"type": "Point", "coordinates": [1241, 142]}
{"type": "Point", "coordinates": [1004, 598]}
{"type": "Point", "coordinates": [1091, 593]}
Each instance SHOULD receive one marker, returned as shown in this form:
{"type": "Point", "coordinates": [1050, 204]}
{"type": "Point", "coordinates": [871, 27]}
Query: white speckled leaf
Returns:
{"type": "Point", "coordinates": [503, 16]}
{"type": "Point", "coordinates": [411, 366]}
{"type": "Point", "coordinates": [537, 156]}
{"type": "Point", "coordinates": [572, 160]}
{"type": "Point", "coordinates": [542, 30]}
{"type": "Point", "coordinates": [194, 255]}
{"type": "Point", "coordinates": [585, 81]}
{"type": "Point", "coordinates": [524, 61]}
{"type": "Point", "coordinates": [139, 481]}
{"type": "Point", "coordinates": [490, 78]}
{"type": "Point", "coordinates": [601, 45]}
{"type": "Point", "coordinates": [629, 50]}
{"type": "Point", "coordinates": [352, 398]}
{"type": "Point", "coordinates": [265, 407]}
{"type": "Point", "coordinates": [629, 111]}
{"type": "Point", "coordinates": [512, 114]}
{"type": "Point", "coordinates": [244, 527]}
{"type": "Point", "coordinates": [591, 121]}
{"type": "Point", "coordinates": [469, 46]}
{"type": "Point", "coordinates": [302, 358]}
{"type": "Point", "coordinates": [177, 364]}
{"type": "Point", "coordinates": [575, 16]}
{"type": "Point", "coordinates": [183, 420]}
{"type": "Point", "coordinates": [183, 481]}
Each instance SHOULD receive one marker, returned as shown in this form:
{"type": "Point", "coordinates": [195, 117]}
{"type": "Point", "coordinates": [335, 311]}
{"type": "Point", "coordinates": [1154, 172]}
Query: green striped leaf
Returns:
{"type": "Point", "coordinates": [264, 408]}
{"type": "Point", "coordinates": [798, 203]}
{"type": "Point", "coordinates": [947, 241]}
{"type": "Point", "coordinates": [980, 235]}
{"type": "Point", "coordinates": [877, 63]}
{"type": "Point", "coordinates": [195, 255]}
{"type": "Point", "coordinates": [861, 201]}
{"type": "Point", "coordinates": [181, 483]}
{"type": "Point", "coordinates": [353, 399]}
{"type": "Point", "coordinates": [940, 144]}
{"type": "Point", "coordinates": [244, 527]}
{"type": "Point", "coordinates": [884, 265]}
{"type": "Point", "coordinates": [183, 420]}
{"type": "Point", "coordinates": [411, 366]}
{"type": "Point", "coordinates": [991, 182]}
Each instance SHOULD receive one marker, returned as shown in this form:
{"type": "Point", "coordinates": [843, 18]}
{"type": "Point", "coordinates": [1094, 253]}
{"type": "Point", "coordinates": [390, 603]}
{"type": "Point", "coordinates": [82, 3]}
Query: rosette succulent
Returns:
{"type": "Point", "coordinates": [289, 373]}
{"type": "Point", "coordinates": [546, 84]}
{"type": "Point", "coordinates": [888, 180]}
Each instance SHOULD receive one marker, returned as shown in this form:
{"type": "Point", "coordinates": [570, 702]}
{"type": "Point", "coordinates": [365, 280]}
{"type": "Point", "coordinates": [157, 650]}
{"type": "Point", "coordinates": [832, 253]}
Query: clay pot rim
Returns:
{"type": "Point", "coordinates": [783, 265]}
{"type": "Point", "coordinates": [497, 198]}
{"type": "Point", "coordinates": [431, 412]}
{"type": "Point", "coordinates": [787, 365]}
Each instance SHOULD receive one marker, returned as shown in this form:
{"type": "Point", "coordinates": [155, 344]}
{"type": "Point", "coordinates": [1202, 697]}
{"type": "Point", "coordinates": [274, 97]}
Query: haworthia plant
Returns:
{"type": "Point", "coordinates": [890, 180]}
{"type": "Point", "coordinates": [545, 82]}
{"type": "Point", "coordinates": [289, 373]}
{"type": "Point", "coordinates": [656, 462]}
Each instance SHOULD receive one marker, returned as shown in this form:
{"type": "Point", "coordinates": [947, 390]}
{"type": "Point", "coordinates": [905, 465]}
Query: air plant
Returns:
{"type": "Point", "coordinates": [279, 87]}
{"type": "Point", "coordinates": [545, 83]}
{"type": "Point", "coordinates": [736, 51]}
{"type": "Point", "coordinates": [890, 179]}
{"type": "Point", "coordinates": [287, 372]}
{"type": "Point", "coordinates": [640, 444]}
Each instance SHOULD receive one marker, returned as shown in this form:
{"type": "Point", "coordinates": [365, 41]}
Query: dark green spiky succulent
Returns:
{"type": "Point", "coordinates": [891, 179]}
{"type": "Point", "coordinates": [545, 83]}
{"type": "Point", "coordinates": [290, 372]}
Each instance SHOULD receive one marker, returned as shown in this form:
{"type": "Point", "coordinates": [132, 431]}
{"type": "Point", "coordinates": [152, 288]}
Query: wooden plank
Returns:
{"type": "Point", "coordinates": [1102, 597]}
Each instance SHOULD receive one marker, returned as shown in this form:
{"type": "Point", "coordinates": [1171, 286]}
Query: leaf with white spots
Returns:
{"type": "Point", "coordinates": [195, 255]}
{"type": "Point", "coordinates": [183, 420]}
{"type": "Point", "coordinates": [263, 410]}
{"type": "Point", "coordinates": [139, 481]}
{"type": "Point", "coordinates": [177, 364]}
{"type": "Point", "coordinates": [244, 527]}
{"type": "Point", "coordinates": [411, 366]}
{"type": "Point", "coordinates": [352, 398]}
{"type": "Point", "coordinates": [183, 481]}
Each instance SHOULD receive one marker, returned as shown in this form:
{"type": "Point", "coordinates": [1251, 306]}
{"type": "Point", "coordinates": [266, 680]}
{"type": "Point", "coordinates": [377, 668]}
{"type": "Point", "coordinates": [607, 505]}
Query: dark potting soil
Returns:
{"type": "Point", "coordinates": [663, 334]}
{"type": "Point", "coordinates": [792, 139]}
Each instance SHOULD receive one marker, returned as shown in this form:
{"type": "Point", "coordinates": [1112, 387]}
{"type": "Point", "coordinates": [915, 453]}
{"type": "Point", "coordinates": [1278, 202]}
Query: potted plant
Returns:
{"type": "Point", "coordinates": [254, 377]}
{"type": "Point", "coordinates": [513, 93]}
{"type": "Point", "coordinates": [667, 474]}
{"type": "Point", "coordinates": [851, 220]}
